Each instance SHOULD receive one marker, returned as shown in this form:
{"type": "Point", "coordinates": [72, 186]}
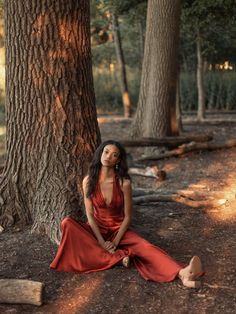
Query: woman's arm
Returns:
{"type": "Point", "coordinates": [107, 245]}
{"type": "Point", "coordinates": [127, 190]}
{"type": "Point", "coordinates": [89, 213]}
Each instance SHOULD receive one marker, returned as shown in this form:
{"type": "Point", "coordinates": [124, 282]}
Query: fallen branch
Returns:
{"type": "Point", "coordinates": [216, 286]}
{"type": "Point", "coordinates": [150, 172]}
{"type": "Point", "coordinates": [194, 195]}
{"type": "Point", "coordinates": [142, 192]}
{"type": "Point", "coordinates": [186, 148]}
{"type": "Point", "coordinates": [21, 291]}
{"type": "Point", "coordinates": [171, 141]}
{"type": "Point", "coordinates": [209, 121]}
{"type": "Point", "coordinates": [153, 198]}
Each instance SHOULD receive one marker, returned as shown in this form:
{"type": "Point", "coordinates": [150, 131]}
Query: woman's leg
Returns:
{"type": "Point", "coordinates": [155, 264]}
{"type": "Point", "coordinates": [152, 262]}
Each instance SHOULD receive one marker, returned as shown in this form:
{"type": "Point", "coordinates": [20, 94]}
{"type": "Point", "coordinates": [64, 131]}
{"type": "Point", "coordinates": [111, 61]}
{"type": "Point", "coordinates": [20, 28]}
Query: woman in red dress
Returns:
{"type": "Point", "coordinates": [106, 239]}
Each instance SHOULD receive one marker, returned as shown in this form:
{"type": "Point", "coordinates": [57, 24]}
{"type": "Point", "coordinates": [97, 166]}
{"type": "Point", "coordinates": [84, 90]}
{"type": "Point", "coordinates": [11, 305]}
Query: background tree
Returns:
{"type": "Point", "coordinates": [207, 25]}
{"type": "Point", "coordinates": [52, 129]}
{"type": "Point", "coordinates": [159, 73]}
{"type": "Point", "coordinates": [127, 104]}
{"type": "Point", "coordinates": [117, 61]}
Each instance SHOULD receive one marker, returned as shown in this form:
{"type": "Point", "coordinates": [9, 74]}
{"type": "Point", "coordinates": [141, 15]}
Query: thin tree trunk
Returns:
{"type": "Point", "coordinates": [121, 62]}
{"type": "Point", "coordinates": [159, 71]}
{"type": "Point", "coordinates": [52, 128]}
{"type": "Point", "coordinates": [200, 83]}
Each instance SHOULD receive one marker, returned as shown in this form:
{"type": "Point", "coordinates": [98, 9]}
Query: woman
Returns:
{"type": "Point", "coordinates": [106, 240]}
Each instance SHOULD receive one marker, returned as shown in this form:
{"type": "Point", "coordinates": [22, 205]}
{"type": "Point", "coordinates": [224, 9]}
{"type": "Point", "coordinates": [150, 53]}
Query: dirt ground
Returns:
{"type": "Point", "coordinates": [180, 230]}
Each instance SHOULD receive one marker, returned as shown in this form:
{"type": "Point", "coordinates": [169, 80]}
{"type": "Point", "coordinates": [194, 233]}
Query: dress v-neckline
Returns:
{"type": "Point", "coordinates": [112, 196]}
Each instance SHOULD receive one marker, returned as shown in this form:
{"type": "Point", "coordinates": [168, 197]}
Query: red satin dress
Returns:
{"type": "Point", "coordinates": [79, 250]}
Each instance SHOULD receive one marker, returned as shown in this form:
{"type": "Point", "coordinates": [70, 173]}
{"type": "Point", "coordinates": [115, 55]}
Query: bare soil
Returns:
{"type": "Point", "coordinates": [180, 230]}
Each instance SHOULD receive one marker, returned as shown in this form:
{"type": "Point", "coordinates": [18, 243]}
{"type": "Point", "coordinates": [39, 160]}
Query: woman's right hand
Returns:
{"type": "Point", "coordinates": [109, 246]}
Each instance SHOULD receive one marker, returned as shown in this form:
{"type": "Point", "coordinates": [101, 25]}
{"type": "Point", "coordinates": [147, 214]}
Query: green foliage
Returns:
{"type": "Point", "coordinates": [106, 74]}
{"type": "Point", "coordinates": [219, 86]}
{"type": "Point", "coordinates": [220, 89]}
{"type": "Point", "coordinates": [120, 7]}
{"type": "Point", "coordinates": [215, 22]}
{"type": "Point", "coordinates": [107, 89]}
{"type": "Point", "coordinates": [188, 91]}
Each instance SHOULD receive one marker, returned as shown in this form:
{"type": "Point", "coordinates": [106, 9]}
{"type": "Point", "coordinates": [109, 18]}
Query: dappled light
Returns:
{"type": "Point", "coordinates": [105, 119]}
{"type": "Point", "coordinates": [39, 25]}
{"type": "Point", "coordinates": [222, 192]}
{"type": "Point", "coordinates": [2, 130]}
{"type": "Point", "coordinates": [70, 31]}
{"type": "Point", "coordinates": [169, 166]}
{"type": "Point", "coordinates": [58, 118]}
{"type": "Point", "coordinates": [58, 54]}
{"type": "Point", "coordinates": [227, 211]}
{"type": "Point", "coordinates": [223, 66]}
{"type": "Point", "coordinates": [75, 296]}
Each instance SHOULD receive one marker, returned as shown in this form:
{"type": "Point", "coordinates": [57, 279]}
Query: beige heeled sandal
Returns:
{"type": "Point", "coordinates": [188, 274]}
{"type": "Point", "coordinates": [126, 261]}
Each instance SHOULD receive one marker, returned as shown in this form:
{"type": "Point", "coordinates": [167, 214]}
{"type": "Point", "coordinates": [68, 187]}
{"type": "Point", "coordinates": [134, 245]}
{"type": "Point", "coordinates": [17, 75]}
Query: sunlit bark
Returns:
{"type": "Point", "coordinates": [52, 129]}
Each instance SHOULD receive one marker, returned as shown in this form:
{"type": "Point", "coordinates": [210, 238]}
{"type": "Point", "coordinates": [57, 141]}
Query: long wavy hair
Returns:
{"type": "Point", "coordinates": [95, 166]}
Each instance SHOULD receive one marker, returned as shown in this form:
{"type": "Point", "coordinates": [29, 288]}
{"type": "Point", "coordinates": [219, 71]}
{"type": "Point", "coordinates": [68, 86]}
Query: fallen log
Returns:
{"type": "Point", "coordinates": [191, 194]}
{"type": "Point", "coordinates": [142, 192]}
{"type": "Point", "coordinates": [170, 141]}
{"type": "Point", "coordinates": [150, 172]}
{"type": "Point", "coordinates": [21, 291]}
{"type": "Point", "coordinates": [186, 148]}
{"type": "Point", "coordinates": [209, 121]}
{"type": "Point", "coordinates": [153, 198]}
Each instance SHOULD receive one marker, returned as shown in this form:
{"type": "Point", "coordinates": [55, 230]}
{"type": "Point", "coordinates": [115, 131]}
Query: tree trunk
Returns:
{"type": "Point", "coordinates": [141, 42]}
{"type": "Point", "coordinates": [52, 128]}
{"type": "Point", "coordinates": [200, 83]}
{"type": "Point", "coordinates": [159, 71]}
{"type": "Point", "coordinates": [178, 106]}
{"type": "Point", "coordinates": [121, 62]}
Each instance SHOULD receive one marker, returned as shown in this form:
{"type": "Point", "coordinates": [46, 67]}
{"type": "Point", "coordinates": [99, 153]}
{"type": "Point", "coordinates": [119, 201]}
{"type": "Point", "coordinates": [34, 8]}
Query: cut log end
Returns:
{"type": "Point", "coordinates": [19, 291]}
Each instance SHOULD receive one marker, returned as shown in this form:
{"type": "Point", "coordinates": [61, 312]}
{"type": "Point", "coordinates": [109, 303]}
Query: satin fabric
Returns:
{"type": "Point", "coordinates": [79, 250]}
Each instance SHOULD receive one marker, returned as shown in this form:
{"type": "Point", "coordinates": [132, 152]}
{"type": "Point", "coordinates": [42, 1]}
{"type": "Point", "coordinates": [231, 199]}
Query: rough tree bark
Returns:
{"type": "Point", "coordinates": [141, 42]}
{"type": "Point", "coordinates": [121, 63]}
{"type": "Point", "coordinates": [200, 83]}
{"type": "Point", "coordinates": [178, 106]}
{"type": "Point", "coordinates": [52, 128]}
{"type": "Point", "coordinates": [159, 71]}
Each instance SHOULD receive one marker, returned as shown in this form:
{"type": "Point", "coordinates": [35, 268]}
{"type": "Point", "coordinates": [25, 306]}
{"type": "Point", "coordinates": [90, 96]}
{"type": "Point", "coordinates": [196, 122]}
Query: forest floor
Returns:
{"type": "Point", "coordinates": [181, 230]}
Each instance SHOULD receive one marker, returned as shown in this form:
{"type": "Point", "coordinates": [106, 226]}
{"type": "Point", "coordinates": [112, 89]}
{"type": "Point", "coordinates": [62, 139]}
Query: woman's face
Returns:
{"type": "Point", "coordinates": [110, 156]}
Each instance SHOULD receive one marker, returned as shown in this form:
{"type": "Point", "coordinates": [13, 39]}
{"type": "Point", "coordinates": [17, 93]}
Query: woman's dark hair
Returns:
{"type": "Point", "coordinates": [95, 166]}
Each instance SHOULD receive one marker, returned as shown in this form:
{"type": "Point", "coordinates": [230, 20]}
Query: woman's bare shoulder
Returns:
{"type": "Point", "coordinates": [85, 181]}
{"type": "Point", "coordinates": [125, 185]}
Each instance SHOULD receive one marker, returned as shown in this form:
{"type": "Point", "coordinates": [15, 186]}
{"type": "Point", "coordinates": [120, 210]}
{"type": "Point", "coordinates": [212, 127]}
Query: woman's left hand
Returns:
{"type": "Point", "coordinates": [109, 246]}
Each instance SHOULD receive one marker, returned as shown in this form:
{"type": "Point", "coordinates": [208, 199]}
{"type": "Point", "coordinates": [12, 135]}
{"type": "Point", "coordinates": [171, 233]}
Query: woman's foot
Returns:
{"type": "Point", "coordinates": [126, 261]}
{"type": "Point", "coordinates": [191, 272]}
